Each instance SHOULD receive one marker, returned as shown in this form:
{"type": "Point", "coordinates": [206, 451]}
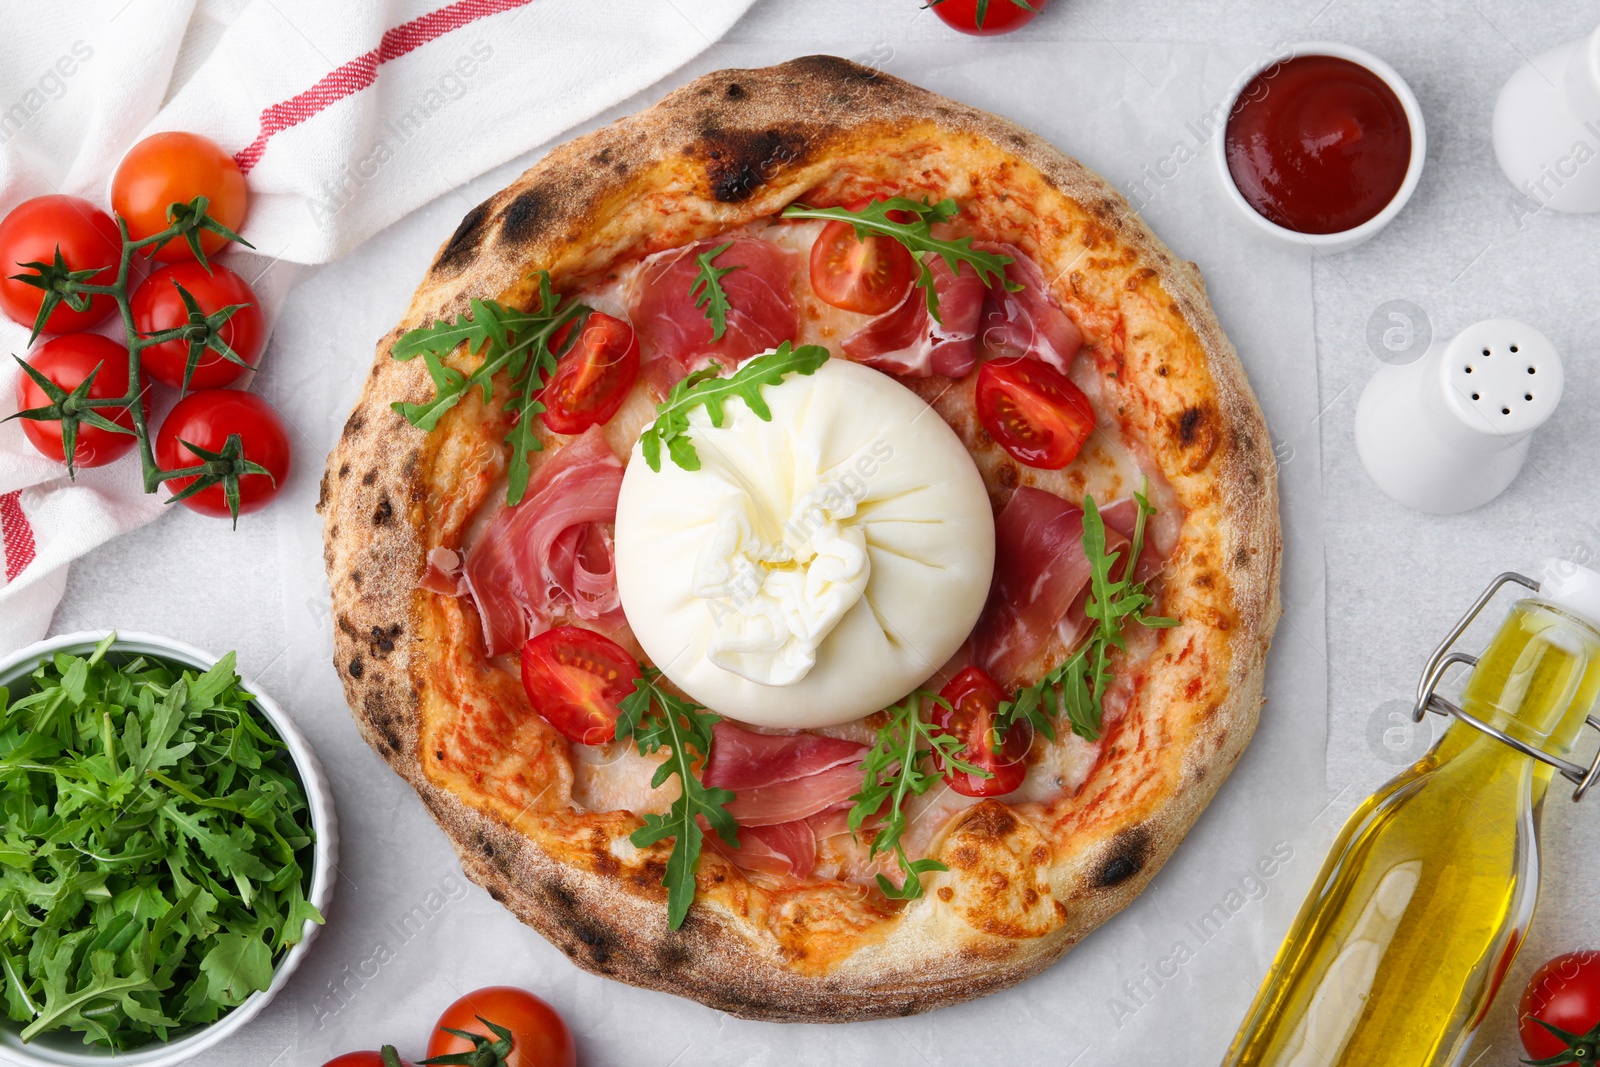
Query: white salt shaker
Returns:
{"type": "Point", "coordinates": [1450, 431]}
{"type": "Point", "coordinates": [1547, 127]}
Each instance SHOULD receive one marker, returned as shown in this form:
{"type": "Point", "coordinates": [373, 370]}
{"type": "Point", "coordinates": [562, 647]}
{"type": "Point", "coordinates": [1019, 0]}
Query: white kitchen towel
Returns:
{"type": "Point", "coordinates": [345, 115]}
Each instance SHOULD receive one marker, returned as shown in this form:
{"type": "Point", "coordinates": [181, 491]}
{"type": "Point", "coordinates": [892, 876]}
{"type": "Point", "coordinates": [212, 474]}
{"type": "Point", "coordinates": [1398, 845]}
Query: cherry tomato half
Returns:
{"type": "Point", "coordinates": [593, 378]}
{"type": "Point", "coordinates": [870, 276]}
{"type": "Point", "coordinates": [157, 306]}
{"type": "Point", "coordinates": [32, 232]}
{"type": "Point", "coordinates": [1565, 993]}
{"type": "Point", "coordinates": [67, 361]}
{"type": "Point", "coordinates": [206, 419]}
{"type": "Point", "coordinates": [974, 699]}
{"type": "Point", "coordinates": [574, 678]}
{"type": "Point", "coordinates": [174, 168]}
{"type": "Point", "coordinates": [539, 1036]}
{"type": "Point", "coordinates": [1034, 411]}
{"type": "Point", "coordinates": [986, 18]}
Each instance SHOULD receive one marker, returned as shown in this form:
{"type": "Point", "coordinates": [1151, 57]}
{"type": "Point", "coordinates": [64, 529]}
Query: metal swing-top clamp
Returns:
{"type": "Point", "coordinates": [1443, 659]}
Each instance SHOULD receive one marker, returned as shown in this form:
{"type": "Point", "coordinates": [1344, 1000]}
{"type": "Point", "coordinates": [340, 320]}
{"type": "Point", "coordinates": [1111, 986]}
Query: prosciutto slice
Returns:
{"type": "Point", "coordinates": [908, 341]}
{"type": "Point", "coordinates": [743, 759]}
{"type": "Point", "coordinates": [785, 786]}
{"type": "Point", "coordinates": [761, 311]}
{"type": "Point", "coordinates": [1041, 579]}
{"type": "Point", "coordinates": [785, 848]}
{"type": "Point", "coordinates": [551, 550]}
{"type": "Point", "coordinates": [1025, 322]}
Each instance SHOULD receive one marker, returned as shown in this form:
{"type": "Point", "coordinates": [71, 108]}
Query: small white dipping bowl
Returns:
{"type": "Point", "coordinates": [67, 1049]}
{"type": "Point", "coordinates": [1343, 239]}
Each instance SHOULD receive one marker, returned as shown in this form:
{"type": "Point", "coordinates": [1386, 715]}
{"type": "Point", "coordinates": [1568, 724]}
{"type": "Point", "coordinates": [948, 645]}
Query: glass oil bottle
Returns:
{"type": "Point", "coordinates": [1428, 890]}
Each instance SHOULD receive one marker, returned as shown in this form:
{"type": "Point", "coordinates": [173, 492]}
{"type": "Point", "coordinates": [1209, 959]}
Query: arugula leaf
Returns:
{"type": "Point", "coordinates": [154, 848]}
{"type": "Point", "coordinates": [917, 236]}
{"type": "Point", "coordinates": [657, 720]}
{"type": "Point", "coordinates": [504, 339]}
{"type": "Point", "coordinates": [705, 388]}
{"type": "Point", "coordinates": [707, 289]}
{"type": "Point", "coordinates": [1077, 685]}
{"type": "Point", "coordinates": [894, 771]}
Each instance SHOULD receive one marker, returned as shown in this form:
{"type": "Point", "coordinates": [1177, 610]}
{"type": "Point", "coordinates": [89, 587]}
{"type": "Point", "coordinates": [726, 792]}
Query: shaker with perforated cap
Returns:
{"type": "Point", "coordinates": [1451, 431]}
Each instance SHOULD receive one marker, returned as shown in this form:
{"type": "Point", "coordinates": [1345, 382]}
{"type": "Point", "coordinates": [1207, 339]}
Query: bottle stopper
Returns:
{"type": "Point", "coordinates": [1450, 431]}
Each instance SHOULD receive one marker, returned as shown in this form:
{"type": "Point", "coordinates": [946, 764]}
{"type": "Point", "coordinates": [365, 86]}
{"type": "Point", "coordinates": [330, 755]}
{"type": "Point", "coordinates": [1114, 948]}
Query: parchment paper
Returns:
{"type": "Point", "coordinates": [1171, 976]}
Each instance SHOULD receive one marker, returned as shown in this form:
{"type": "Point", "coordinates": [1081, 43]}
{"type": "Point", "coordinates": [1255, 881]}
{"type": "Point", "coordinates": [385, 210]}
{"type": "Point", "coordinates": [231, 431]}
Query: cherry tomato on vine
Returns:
{"type": "Point", "coordinates": [868, 275]}
{"type": "Point", "coordinates": [539, 1036]}
{"type": "Point", "coordinates": [1033, 411]}
{"type": "Point", "coordinates": [206, 419]}
{"type": "Point", "coordinates": [575, 678]}
{"type": "Point", "coordinates": [386, 1058]}
{"type": "Point", "coordinates": [986, 18]}
{"type": "Point", "coordinates": [157, 305]}
{"type": "Point", "coordinates": [174, 168]}
{"type": "Point", "coordinates": [87, 239]}
{"type": "Point", "coordinates": [593, 378]}
{"type": "Point", "coordinates": [974, 700]}
{"type": "Point", "coordinates": [1565, 993]}
{"type": "Point", "coordinates": [67, 362]}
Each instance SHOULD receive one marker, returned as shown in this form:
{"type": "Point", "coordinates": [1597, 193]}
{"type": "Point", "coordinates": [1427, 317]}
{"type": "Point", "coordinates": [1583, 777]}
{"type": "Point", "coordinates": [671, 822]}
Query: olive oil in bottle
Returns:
{"type": "Point", "coordinates": [1425, 897]}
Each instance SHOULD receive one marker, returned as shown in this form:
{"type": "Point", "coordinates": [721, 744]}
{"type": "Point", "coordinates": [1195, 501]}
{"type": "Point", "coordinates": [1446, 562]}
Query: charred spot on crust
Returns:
{"type": "Point", "coordinates": [735, 91]}
{"type": "Point", "coordinates": [344, 470]}
{"type": "Point", "coordinates": [463, 244]}
{"type": "Point", "coordinates": [672, 953]}
{"type": "Point", "coordinates": [594, 937]}
{"type": "Point", "coordinates": [1241, 558]}
{"type": "Point", "coordinates": [738, 162]}
{"type": "Point", "coordinates": [382, 642]}
{"type": "Point", "coordinates": [385, 726]}
{"type": "Point", "coordinates": [1130, 851]}
{"type": "Point", "coordinates": [352, 426]}
{"type": "Point", "coordinates": [366, 479]}
{"type": "Point", "coordinates": [357, 668]}
{"type": "Point", "coordinates": [520, 219]}
{"type": "Point", "coordinates": [832, 67]}
{"type": "Point", "coordinates": [383, 512]}
{"type": "Point", "coordinates": [1189, 425]}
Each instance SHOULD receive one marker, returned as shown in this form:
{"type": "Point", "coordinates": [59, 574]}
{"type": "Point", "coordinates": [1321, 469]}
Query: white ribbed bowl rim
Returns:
{"type": "Point", "coordinates": [67, 1049]}
{"type": "Point", "coordinates": [1340, 240]}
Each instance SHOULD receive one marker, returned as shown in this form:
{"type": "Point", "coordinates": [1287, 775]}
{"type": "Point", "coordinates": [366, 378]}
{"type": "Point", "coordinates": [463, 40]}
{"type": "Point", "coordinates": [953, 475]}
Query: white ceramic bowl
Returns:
{"type": "Point", "coordinates": [1343, 239]}
{"type": "Point", "coordinates": [67, 1049]}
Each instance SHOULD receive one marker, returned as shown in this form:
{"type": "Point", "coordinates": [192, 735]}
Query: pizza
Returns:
{"type": "Point", "coordinates": [809, 545]}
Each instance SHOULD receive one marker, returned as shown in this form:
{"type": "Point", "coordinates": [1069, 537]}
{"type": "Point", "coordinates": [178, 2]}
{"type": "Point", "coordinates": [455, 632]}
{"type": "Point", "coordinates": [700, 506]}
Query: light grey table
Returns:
{"type": "Point", "coordinates": [1467, 247]}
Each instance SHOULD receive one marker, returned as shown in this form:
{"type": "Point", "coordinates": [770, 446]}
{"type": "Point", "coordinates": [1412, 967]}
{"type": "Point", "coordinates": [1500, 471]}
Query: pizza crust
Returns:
{"type": "Point", "coordinates": [1025, 884]}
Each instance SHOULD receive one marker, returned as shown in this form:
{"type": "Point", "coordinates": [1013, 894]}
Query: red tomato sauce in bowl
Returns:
{"type": "Point", "coordinates": [1318, 144]}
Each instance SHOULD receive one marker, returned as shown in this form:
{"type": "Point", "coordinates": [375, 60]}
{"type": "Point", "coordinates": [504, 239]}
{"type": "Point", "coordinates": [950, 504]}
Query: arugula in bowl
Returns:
{"type": "Point", "coordinates": [156, 847]}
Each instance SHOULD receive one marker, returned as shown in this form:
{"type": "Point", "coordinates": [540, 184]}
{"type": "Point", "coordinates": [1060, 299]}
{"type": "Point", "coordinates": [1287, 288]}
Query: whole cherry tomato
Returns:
{"type": "Point", "coordinates": [986, 18]}
{"type": "Point", "coordinates": [206, 419]}
{"type": "Point", "coordinates": [539, 1036]}
{"type": "Point", "coordinates": [1564, 993]}
{"type": "Point", "coordinates": [974, 699]}
{"type": "Point", "coordinates": [67, 361]}
{"type": "Point", "coordinates": [593, 378]}
{"type": "Point", "coordinates": [1034, 411]}
{"type": "Point", "coordinates": [868, 275]}
{"type": "Point", "coordinates": [174, 168]}
{"type": "Point", "coordinates": [575, 678]}
{"type": "Point", "coordinates": [32, 233]}
{"type": "Point", "coordinates": [387, 1057]}
{"type": "Point", "coordinates": [157, 306]}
